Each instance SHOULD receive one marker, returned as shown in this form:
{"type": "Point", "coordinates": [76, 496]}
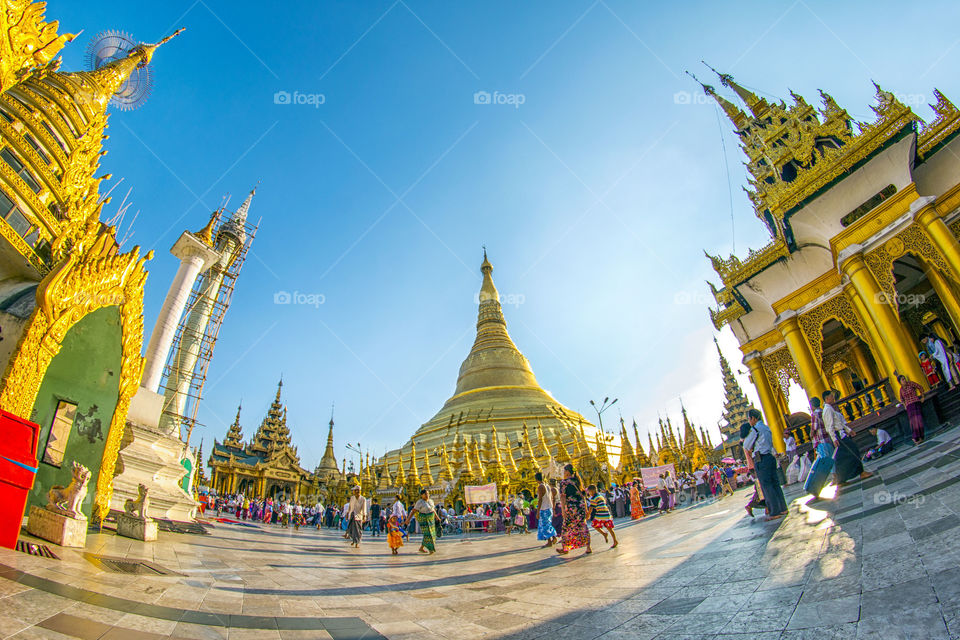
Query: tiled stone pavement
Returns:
{"type": "Point", "coordinates": [879, 561]}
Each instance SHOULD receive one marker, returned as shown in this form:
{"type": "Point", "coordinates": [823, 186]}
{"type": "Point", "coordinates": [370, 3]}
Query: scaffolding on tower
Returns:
{"type": "Point", "coordinates": [188, 418]}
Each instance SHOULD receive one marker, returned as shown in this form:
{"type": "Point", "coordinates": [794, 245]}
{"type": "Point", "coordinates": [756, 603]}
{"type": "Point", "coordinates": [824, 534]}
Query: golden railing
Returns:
{"type": "Point", "coordinates": [854, 407]}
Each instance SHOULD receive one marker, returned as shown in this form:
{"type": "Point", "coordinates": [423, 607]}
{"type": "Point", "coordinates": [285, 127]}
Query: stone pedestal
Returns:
{"type": "Point", "coordinates": [153, 458]}
{"type": "Point", "coordinates": [57, 528]}
{"type": "Point", "coordinates": [137, 528]}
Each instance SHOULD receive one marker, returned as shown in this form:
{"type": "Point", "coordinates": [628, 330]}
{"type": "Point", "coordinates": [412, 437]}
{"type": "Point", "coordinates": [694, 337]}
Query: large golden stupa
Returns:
{"type": "Point", "coordinates": [498, 407]}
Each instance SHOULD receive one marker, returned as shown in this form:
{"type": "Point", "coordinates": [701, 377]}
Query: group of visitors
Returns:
{"type": "Point", "coordinates": [267, 511]}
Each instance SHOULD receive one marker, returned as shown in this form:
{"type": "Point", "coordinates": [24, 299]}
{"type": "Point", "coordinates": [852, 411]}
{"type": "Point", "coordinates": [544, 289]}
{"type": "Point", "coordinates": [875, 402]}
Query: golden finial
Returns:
{"type": "Point", "coordinates": [205, 235]}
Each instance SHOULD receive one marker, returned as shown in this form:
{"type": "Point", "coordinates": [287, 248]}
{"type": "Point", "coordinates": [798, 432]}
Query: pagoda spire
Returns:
{"type": "Point", "coordinates": [642, 459]}
{"type": "Point", "coordinates": [735, 404]}
{"type": "Point", "coordinates": [494, 359]}
{"type": "Point", "coordinates": [511, 461]}
{"type": "Point", "coordinates": [108, 79]}
{"type": "Point", "coordinates": [758, 106]}
{"type": "Point", "coordinates": [654, 452]}
{"type": "Point", "coordinates": [563, 456]}
{"type": "Point", "coordinates": [234, 436]}
{"type": "Point", "coordinates": [427, 476]}
{"type": "Point", "coordinates": [527, 447]}
{"type": "Point", "coordinates": [414, 473]}
{"type": "Point", "coordinates": [401, 479]}
{"type": "Point", "coordinates": [628, 460]}
{"type": "Point", "coordinates": [205, 235]}
{"type": "Point", "coordinates": [446, 471]}
{"type": "Point", "coordinates": [543, 449]}
{"type": "Point", "coordinates": [734, 113]}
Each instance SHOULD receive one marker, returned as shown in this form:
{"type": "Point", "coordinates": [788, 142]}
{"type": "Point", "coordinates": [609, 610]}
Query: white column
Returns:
{"type": "Point", "coordinates": [195, 257]}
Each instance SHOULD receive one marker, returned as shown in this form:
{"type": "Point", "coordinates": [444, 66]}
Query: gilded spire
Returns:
{"type": "Point", "coordinates": [654, 452]}
{"type": "Point", "coordinates": [494, 360]}
{"type": "Point", "coordinates": [414, 473]}
{"type": "Point", "coordinates": [511, 461]}
{"type": "Point", "coordinates": [205, 235]}
{"type": "Point", "coordinates": [527, 447]}
{"type": "Point", "coordinates": [758, 106]}
{"type": "Point", "coordinates": [563, 456]}
{"type": "Point", "coordinates": [543, 451]}
{"type": "Point", "coordinates": [109, 78]}
{"type": "Point", "coordinates": [234, 435]}
{"type": "Point", "coordinates": [401, 479]}
{"type": "Point", "coordinates": [426, 478]}
{"type": "Point", "coordinates": [446, 471]}
{"type": "Point", "coordinates": [734, 113]}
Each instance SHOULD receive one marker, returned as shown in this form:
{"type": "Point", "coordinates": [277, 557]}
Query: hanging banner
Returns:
{"type": "Point", "coordinates": [650, 475]}
{"type": "Point", "coordinates": [480, 494]}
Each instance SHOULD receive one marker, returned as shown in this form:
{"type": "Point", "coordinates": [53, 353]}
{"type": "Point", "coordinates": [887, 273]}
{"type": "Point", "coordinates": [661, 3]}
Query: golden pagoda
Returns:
{"type": "Point", "coordinates": [851, 209]}
{"type": "Point", "coordinates": [497, 385]}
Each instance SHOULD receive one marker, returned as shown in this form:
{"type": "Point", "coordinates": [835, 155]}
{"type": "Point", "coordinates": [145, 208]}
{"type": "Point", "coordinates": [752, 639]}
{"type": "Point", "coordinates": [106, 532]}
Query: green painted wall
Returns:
{"type": "Point", "coordinates": [86, 372]}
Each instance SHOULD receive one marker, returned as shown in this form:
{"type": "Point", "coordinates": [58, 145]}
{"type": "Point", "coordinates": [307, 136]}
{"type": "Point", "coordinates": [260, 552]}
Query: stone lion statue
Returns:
{"type": "Point", "coordinates": [66, 500]}
{"type": "Point", "coordinates": [138, 508]}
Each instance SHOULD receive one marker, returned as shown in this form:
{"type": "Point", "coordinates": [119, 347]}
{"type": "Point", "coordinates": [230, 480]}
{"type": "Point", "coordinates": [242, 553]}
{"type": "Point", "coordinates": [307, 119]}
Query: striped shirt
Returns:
{"type": "Point", "coordinates": [600, 509]}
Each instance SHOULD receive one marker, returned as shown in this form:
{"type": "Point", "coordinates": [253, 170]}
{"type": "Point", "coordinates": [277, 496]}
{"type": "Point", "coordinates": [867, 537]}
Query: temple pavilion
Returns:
{"type": "Point", "coordinates": [268, 466]}
{"type": "Point", "coordinates": [863, 257]}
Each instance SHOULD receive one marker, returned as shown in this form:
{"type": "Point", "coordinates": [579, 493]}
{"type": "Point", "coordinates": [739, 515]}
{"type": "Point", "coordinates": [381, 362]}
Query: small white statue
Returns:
{"type": "Point", "coordinates": [66, 500]}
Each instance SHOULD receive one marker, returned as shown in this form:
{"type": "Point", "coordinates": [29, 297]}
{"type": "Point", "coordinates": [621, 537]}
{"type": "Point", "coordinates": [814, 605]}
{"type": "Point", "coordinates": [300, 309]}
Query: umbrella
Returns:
{"type": "Point", "coordinates": [728, 461]}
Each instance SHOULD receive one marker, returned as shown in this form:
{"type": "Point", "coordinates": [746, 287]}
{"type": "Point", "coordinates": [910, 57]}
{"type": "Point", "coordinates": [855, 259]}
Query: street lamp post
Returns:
{"type": "Point", "coordinates": [606, 404]}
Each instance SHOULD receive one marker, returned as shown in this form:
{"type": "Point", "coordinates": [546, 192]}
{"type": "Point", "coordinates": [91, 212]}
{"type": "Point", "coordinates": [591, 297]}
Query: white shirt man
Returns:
{"type": "Point", "coordinates": [883, 437]}
{"type": "Point", "coordinates": [357, 507]}
{"type": "Point", "coordinates": [398, 510]}
{"type": "Point", "coordinates": [834, 423]}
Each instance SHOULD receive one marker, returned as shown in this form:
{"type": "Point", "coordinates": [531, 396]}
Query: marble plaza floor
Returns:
{"type": "Point", "coordinates": [879, 561]}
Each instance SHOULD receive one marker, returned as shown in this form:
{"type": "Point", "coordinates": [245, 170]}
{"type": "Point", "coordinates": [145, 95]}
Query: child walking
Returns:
{"type": "Point", "coordinates": [599, 515]}
{"type": "Point", "coordinates": [394, 537]}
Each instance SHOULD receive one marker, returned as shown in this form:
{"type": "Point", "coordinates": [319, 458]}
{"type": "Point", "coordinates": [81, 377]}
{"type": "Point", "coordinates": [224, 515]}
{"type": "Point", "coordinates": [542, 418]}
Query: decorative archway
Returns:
{"type": "Point", "coordinates": [79, 285]}
{"type": "Point", "coordinates": [912, 239]}
{"type": "Point", "coordinates": [836, 308]}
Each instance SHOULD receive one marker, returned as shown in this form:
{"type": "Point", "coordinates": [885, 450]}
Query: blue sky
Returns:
{"type": "Point", "coordinates": [595, 197]}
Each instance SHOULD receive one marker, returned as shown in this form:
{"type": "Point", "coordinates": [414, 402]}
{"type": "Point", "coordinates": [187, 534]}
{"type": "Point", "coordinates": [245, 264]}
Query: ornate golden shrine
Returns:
{"type": "Point", "coordinates": [269, 466]}
{"type": "Point", "coordinates": [821, 304]}
{"type": "Point", "coordinates": [52, 126]}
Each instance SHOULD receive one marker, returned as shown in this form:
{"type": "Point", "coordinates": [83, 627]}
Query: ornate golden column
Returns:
{"type": "Point", "coordinates": [863, 364]}
{"type": "Point", "coordinates": [902, 350]}
{"type": "Point", "coordinates": [881, 354]}
{"type": "Point", "coordinates": [947, 295]}
{"type": "Point", "coordinates": [811, 378]}
{"type": "Point", "coordinates": [767, 399]}
{"type": "Point", "coordinates": [925, 215]}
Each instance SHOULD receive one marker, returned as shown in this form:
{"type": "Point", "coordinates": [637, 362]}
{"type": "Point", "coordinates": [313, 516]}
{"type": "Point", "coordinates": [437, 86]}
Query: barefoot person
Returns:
{"type": "Point", "coordinates": [636, 500]}
{"type": "Point", "coordinates": [911, 395]}
{"type": "Point", "coordinates": [356, 515]}
{"type": "Point", "coordinates": [598, 512]}
{"type": "Point", "coordinates": [426, 514]}
{"type": "Point", "coordinates": [545, 530]}
{"type": "Point", "coordinates": [394, 537]}
{"type": "Point", "coordinates": [575, 533]}
{"type": "Point", "coordinates": [847, 464]}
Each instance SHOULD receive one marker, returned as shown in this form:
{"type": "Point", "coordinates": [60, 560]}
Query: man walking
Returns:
{"type": "Point", "coordinates": [375, 518]}
{"type": "Point", "coordinates": [823, 445]}
{"type": "Point", "coordinates": [760, 444]}
{"type": "Point", "coordinates": [848, 464]}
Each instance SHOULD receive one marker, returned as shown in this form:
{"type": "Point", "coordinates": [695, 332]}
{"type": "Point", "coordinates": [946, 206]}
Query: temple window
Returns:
{"type": "Point", "coordinates": [14, 217]}
{"type": "Point", "coordinates": [37, 147]}
{"type": "Point", "coordinates": [867, 206]}
{"type": "Point", "coordinates": [53, 134]}
{"type": "Point", "coordinates": [18, 168]}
